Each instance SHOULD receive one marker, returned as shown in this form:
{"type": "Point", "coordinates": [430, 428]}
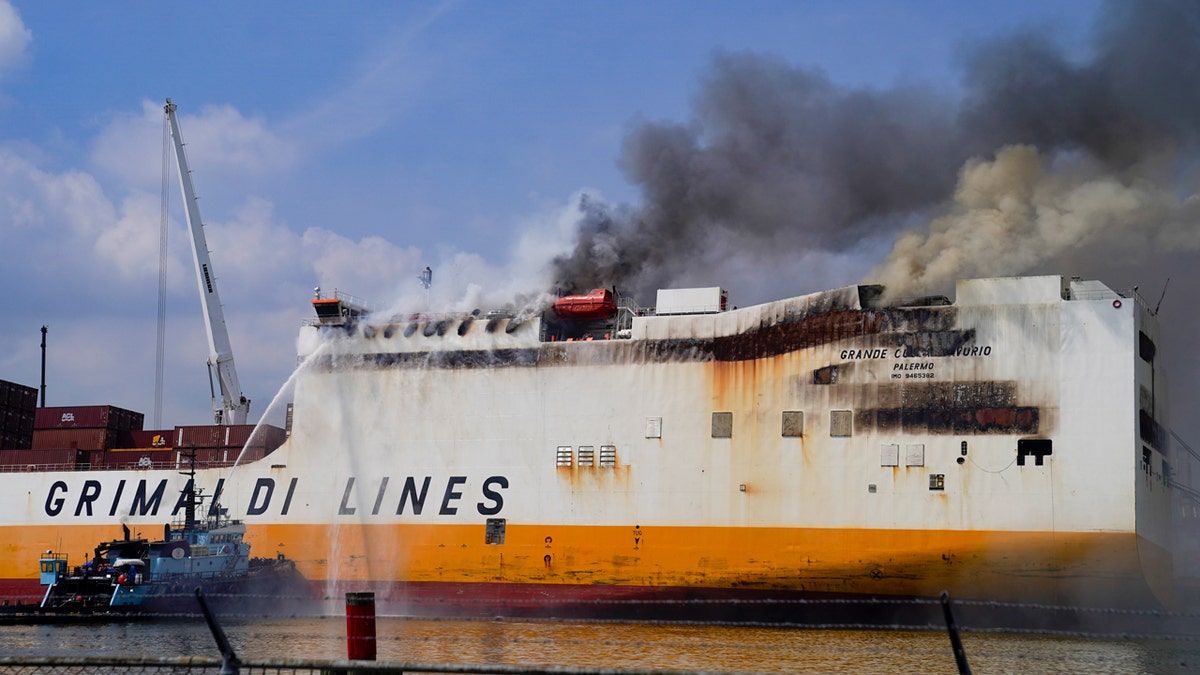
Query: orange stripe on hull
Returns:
{"type": "Point", "coordinates": [1079, 569]}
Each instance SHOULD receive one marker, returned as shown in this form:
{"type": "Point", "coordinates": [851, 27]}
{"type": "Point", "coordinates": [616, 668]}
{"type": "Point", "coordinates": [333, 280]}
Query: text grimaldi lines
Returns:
{"type": "Point", "coordinates": [147, 497]}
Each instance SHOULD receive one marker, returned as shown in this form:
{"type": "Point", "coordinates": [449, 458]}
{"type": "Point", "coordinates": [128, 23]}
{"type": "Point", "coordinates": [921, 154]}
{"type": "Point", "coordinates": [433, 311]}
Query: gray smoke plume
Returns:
{"type": "Point", "coordinates": [777, 157]}
{"type": "Point", "coordinates": [1082, 161]}
{"type": "Point", "coordinates": [778, 161]}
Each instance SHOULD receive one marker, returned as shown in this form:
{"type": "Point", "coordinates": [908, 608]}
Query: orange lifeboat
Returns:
{"type": "Point", "coordinates": [596, 304]}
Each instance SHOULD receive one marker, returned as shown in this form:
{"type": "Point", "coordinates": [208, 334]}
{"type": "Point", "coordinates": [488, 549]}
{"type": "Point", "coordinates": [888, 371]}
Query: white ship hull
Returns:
{"type": "Point", "coordinates": [1005, 447]}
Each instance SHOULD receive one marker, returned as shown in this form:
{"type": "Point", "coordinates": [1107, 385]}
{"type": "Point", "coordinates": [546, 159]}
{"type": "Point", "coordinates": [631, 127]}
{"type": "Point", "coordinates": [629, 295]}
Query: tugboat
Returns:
{"type": "Point", "coordinates": [160, 576]}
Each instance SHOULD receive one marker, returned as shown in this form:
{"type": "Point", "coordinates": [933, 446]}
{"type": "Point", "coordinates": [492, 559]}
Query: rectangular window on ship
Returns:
{"type": "Point", "coordinates": [722, 425]}
{"type": "Point", "coordinates": [841, 423]}
{"type": "Point", "coordinates": [793, 424]}
{"type": "Point", "coordinates": [889, 454]}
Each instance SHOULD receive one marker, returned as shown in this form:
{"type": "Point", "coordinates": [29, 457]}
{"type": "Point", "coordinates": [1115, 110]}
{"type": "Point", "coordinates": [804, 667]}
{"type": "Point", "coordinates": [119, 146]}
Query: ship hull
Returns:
{"type": "Point", "coordinates": [1007, 448]}
{"type": "Point", "coordinates": [1087, 570]}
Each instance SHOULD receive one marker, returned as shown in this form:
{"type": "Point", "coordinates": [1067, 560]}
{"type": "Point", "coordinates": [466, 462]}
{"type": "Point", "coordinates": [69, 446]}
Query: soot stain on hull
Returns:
{"type": "Point", "coordinates": [976, 407]}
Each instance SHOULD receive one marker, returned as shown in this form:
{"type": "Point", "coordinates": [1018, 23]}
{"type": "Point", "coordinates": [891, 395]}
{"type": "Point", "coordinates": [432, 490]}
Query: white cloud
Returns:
{"type": "Point", "coordinates": [67, 209]}
{"type": "Point", "coordinates": [220, 142]}
{"type": "Point", "coordinates": [253, 249]}
{"type": "Point", "coordinates": [14, 38]}
{"type": "Point", "coordinates": [95, 243]}
{"type": "Point", "coordinates": [130, 244]}
{"type": "Point", "coordinates": [372, 268]}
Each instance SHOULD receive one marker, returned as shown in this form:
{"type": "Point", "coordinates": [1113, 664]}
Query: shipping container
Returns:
{"type": "Point", "coordinates": [227, 456]}
{"type": "Point", "coordinates": [126, 420]}
{"type": "Point", "coordinates": [15, 441]}
{"type": "Point", "coordinates": [138, 458]}
{"type": "Point", "coordinates": [14, 421]}
{"type": "Point", "coordinates": [13, 395]}
{"type": "Point", "coordinates": [82, 439]}
{"type": "Point", "coordinates": [158, 439]}
{"type": "Point", "coordinates": [42, 460]}
{"type": "Point", "coordinates": [89, 459]}
{"type": "Point", "coordinates": [206, 436]}
{"type": "Point", "coordinates": [87, 417]}
{"type": "Point", "coordinates": [253, 454]}
{"type": "Point", "coordinates": [266, 436]}
{"type": "Point", "coordinates": [208, 456]}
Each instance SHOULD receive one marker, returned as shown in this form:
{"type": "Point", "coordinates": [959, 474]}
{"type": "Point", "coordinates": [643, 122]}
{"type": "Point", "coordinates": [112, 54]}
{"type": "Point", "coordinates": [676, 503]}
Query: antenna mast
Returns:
{"type": "Point", "coordinates": [1160, 298]}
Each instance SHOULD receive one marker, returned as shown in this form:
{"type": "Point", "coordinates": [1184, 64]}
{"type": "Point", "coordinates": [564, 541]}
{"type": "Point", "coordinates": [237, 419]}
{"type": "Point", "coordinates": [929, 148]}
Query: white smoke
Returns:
{"type": "Point", "coordinates": [1015, 213]}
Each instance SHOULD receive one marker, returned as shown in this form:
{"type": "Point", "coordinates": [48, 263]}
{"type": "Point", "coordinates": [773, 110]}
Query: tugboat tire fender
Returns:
{"type": "Point", "coordinates": [178, 550]}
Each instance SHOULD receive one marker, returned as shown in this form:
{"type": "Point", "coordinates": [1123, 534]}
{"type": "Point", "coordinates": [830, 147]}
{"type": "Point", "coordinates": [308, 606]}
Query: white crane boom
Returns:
{"type": "Point", "coordinates": [233, 406]}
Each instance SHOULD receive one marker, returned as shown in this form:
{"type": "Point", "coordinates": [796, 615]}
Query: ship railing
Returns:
{"type": "Point", "coordinates": [627, 311]}
{"type": "Point", "coordinates": [428, 317]}
{"type": "Point", "coordinates": [36, 468]}
{"type": "Point", "coordinates": [1111, 294]}
{"type": "Point", "coordinates": [41, 467]}
{"type": "Point", "coordinates": [356, 302]}
{"type": "Point", "coordinates": [1106, 294]}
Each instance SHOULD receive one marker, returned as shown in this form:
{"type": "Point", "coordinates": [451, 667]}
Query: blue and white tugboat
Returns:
{"type": "Point", "coordinates": [161, 576]}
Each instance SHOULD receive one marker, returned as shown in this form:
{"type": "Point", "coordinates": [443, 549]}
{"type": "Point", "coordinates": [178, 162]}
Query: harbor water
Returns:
{"type": "Point", "coordinates": [619, 645]}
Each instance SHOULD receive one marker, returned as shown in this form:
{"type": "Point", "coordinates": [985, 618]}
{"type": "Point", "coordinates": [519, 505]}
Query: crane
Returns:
{"type": "Point", "coordinates": [233, 406]}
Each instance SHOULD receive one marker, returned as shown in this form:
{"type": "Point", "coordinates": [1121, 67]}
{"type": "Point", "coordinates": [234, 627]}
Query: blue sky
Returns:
{"type": "Point", "coordinates": [351, 144]}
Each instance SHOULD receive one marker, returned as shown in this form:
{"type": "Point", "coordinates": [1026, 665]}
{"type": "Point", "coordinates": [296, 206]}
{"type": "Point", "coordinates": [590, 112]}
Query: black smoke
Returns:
{"type": "Point", "coordinates": [778, 161]}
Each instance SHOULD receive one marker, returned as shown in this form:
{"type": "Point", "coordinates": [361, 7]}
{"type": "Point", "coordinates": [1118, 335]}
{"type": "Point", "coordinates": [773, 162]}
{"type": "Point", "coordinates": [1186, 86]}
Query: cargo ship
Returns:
{"type": "Point", "coordinates": [689, 460]}
{"type": "Point", "coordinates": [1008, 444]}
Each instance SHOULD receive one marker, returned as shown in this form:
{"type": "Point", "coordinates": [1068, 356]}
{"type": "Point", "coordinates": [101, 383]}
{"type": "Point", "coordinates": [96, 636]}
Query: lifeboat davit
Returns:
{"type": "Point", "coordinates": [596, 304]}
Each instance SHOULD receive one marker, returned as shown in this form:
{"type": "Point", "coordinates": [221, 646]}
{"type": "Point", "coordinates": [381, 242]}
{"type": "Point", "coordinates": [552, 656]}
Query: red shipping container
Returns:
{"type": "Point", "coordinates": [207, 436]}
{"type": "Point", "coordinates": [81, 439]}
{"type": "Point", "coordinates": [238, 434]}
{"type": "Point", "coordinates": [154, 438]}
{"type": "Point", "coordinates": [272, 440]}
{"type": "Point", "coordinates": [208, 456]}
{"type": "Point", "coordinates": [84, 417]}
{"type": "Point", "coordinates": [139, 458]}
{"type": "Point", "coordinates": [40, 460]}
{"type": "Point", "coordinates": [253, 454]}
{"type": "Point", "coordinates": [267, 436]}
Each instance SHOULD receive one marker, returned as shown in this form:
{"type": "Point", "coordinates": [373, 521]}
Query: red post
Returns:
{"type": "Point", "coordinates": [360, 626]}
